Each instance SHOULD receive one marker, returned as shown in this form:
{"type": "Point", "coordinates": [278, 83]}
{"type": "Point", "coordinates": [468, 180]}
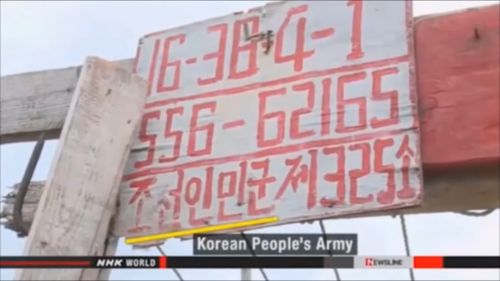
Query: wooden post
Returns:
{"type": "Point", "coordinates": [79, 198]}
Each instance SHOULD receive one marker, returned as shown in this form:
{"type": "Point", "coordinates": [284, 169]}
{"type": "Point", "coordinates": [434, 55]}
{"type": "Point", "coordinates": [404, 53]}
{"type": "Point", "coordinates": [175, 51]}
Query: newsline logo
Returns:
{"type": "Point", "coordinates": [385, 262]}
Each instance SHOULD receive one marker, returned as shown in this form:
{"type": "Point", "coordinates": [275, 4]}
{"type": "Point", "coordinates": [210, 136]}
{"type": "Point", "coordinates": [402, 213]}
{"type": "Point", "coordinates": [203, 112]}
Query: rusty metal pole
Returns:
{"type": "Point", "coordinates": [246, 274]}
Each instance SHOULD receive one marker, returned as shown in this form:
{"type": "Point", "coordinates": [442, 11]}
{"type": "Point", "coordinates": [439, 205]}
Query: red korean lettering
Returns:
{"type": "Point", "coordinates": [295, 133]}
{"type": "Point", "coordinates": [296, 173]}
{"type": "Point", "coordinates": [217, 55]}
{"type": "Point", "coordinates": [150, 139]}
{"type": "Point", "coordinates": [301, 174]}
{"type": "Point", "coordinates": [193, 197]}
{"type": "Point", "coordinates": [175, 194]}
{"type": "Point", "coordinates": [166, 63]}
{"type": "Point", "coordinates": [261, 184]}
{"type": "Point", "coordinates": [142, 191]}
{"type": "Point", "coordinates": [164, 207]}
{"type": "Point", "coordinates": [242, 184]}
{"type": "Point", "coordinates": [231, 177]}
{"type": "Point", "coordinates": [193, 191]}
{"type": "Point", "coordinates": [391, 96]}
{"type": "Point", "coordinates": [342, 103]}
{"type": "Point", "coordinates": [385, 196]}
{"type": "Point", "coordinates": [250, 47]}
{"type": "Point", "coordinates": [196, 128]}
{"type": "Point", "coordinates": [406, 153]}
{"type": "Point", "coordinates": [228, 187]}
{"type": "Point", "coordinates": [300, 54]}
{"type": "Point", "coordinates": [175, 135]}
{"type": "Point", "coordinates": [265, 116]}
{"type": "Point", "coordinates": [207, 198]}
{"type": "Point", "coordinates": [337, 177]}
{"type": "Point", "coordinates": [355, 174]}
{"type": "Point", "coordinates": [356, 49]}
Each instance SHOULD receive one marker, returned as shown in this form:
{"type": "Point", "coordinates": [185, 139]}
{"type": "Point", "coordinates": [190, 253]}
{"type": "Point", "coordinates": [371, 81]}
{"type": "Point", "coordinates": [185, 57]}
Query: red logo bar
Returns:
{"type": "Point", "coordinates": [163, 262]}
{"type": "Point", "coordinates": [428, 262]}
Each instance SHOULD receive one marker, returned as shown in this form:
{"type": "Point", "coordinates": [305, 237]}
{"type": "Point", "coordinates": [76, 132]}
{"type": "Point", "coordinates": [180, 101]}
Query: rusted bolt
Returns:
{"type": "Point", "coordinates": [476, 33]}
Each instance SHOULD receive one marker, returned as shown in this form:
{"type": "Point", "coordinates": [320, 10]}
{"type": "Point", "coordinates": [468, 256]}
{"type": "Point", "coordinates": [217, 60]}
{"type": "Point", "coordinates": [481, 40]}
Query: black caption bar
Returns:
{"type": "Point", "coordinates": [247, 262]}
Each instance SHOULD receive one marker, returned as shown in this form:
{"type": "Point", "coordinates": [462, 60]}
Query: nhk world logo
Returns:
{"type": "Point", "coordinates": [383, 262]}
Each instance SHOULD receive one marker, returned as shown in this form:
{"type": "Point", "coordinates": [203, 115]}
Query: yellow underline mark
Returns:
{"type": "Point", "coordinates": [206, 229]}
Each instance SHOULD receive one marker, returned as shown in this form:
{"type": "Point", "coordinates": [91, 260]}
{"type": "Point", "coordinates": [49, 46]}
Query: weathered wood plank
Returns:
{"type": "Point", "coordinates": [458, 62]}
{"type": "Point", "coordinates": [29, 207]}
{"type": "Point", "coordinates": [37, 101]}
{"type": "Point", "coordinates": [79, 198]}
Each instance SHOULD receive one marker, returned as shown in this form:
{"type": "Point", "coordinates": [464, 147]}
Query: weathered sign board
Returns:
{"type": "Point", "coordinates": [299, 110]}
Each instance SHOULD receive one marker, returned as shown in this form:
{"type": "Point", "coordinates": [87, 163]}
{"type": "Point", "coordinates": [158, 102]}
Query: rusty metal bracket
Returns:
{"type": "Point", "coordinates": [482, 213]}
{"type": "Point", "coordinates": [23, 188]}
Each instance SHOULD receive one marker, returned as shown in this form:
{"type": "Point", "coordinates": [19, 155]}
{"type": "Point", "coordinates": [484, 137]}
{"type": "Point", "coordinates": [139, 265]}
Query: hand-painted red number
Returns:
{"type": "Point", "coordinates": [176, 135]}
{"type": "Point", "coordinates": [150, 139]}
{"type": "Point", "coordinates": [326, 112]}
{"type": "Point", "coordinates": [356, 50]}
{"type": "Point", "coordinates": [166, 63]}
{"type": "Point", "coordinates": [338, 177]}
{"type": "Point", "coordinates": [249, 47]}
{"type": "Point", "coordinates": [385, 196]}
{"type": "Point", "coordinates": [295, 132]}
{"type": "Point", "coordinates": [218, 55]}
{"type": "Point", "coordinates": [342, 102]}
{"type": "Point", "coordinates": [195, 128]}
{"type": "Point", "coordinates": [264, 116]}
{"type": "Point", "coordinates": [355, 174]}
{"type": "Point", "coordinates": [378, 95]}
{"type": "Point", "coordinates": [300, 54]}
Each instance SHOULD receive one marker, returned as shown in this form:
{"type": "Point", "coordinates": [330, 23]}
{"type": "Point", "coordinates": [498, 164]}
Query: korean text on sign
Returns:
{"type": "Point", "coordinates": [299, 110]}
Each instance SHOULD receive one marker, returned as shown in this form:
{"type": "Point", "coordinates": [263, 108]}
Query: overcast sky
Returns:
{"type": "Point", "coordinates": [37, 36]}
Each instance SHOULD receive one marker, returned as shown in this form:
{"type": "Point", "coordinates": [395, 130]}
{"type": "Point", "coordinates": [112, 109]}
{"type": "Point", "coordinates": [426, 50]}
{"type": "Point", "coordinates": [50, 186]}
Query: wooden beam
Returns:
{"type": "Point", "coordinates": [457, 87]}
{"type": "Point", "coordinates": [35, 102]}
{"type": "Point", "coordinates": [457, 190]}
{"type": "Point", "coordinates": [80, 195]}
{"type": "Point", "coordinates": [458, 66]}
{"type": "Point", "coordinates": [29, 206]}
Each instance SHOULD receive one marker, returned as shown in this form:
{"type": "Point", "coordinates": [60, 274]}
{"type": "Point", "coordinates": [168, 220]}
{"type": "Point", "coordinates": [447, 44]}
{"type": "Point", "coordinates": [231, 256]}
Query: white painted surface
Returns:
{"type": "Point", "coordinates": [169, 185]}
{"type": "Point", "coordinates": [35, 102]}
